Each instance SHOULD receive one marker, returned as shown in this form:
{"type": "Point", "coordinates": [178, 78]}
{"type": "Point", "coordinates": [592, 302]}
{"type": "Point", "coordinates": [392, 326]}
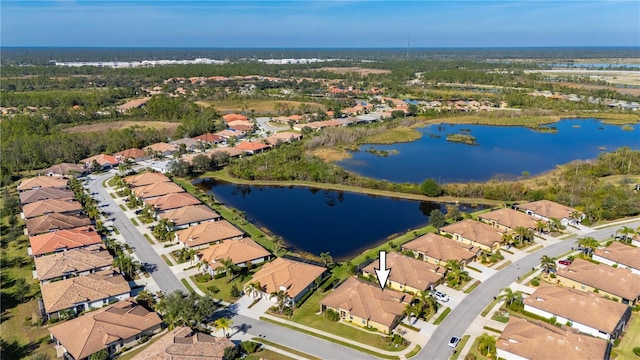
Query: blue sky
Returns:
{"type": "Point", "coordinates": [328, 23]}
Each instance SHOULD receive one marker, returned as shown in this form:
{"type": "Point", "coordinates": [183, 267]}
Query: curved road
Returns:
{"type": "Point", "coordinates": [457, 322]}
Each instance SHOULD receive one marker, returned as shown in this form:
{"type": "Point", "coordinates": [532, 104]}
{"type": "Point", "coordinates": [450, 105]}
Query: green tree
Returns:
{"type": "Point", "coordinates": [487, 345]}
{"type": "Point", "coordinates": [281, 298]}
{"type": "Point", "coordinates": [437, 218]}
{"type": "Point", "coordinates": [228, 267]}
{"type": "Point", "coordinates": [453, 212]}
{"type": "Point", "coordinates": [431, 188]}
{"type": "Point", "coordinates": [588, 244]}
{"type": "Point", "coordinates": [223, 324]}
{"type": "Point", "coordinates": [326, 258]}
{"type": "Point", "coordinates": [100, 355]}
{"type": "Point", "coordinates": [456, 274]}
{"type": "Point", "coordinates": [547, 264]}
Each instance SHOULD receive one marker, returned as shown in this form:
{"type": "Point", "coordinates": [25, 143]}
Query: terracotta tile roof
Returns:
{"type": "Point", "coordinates": [132, 104]}
{"type": "Point", "coordinates": [441, 248]}
{"type": "Point", "coordinates": [476, 231]}
{"type": "Point", "coordinates": [43, 182]}
{"type": "Point", "coordinates": [64, 240]}
{"type": "Point", "coordinates": [188, 142]}
{"type": "Point", "coordinates": [233, 152]}
{"type": "Point", "coordinates": [619, 282]}
{"type": "Point", "coordinates": [63, 294]}
{"type": "Point", "coordinates": [160, 147]}
{"type": "Point", "coordinates": [74, 261]}
{"type": "Point", "coordinates": [239, 251]}
{"type": "Point", "coordinates": [242, 127]}
{"type": "Point", "coordinates": [548, 209]}
{"type": "Point", "coordinates": [190, 214]}
{"type": "Point", "coordinates": [252, 146]}
{"type": "Point", "coordinates": [173, 201]}
{"type": "Point", "coordinates": [232, 117]}
{"type": "Point", "coordinates": [227, 133]}
{"type": "Point", "coordinates": [43, 207]}
{"type": "Point", "coordinates": [235, 123]}
{"type": "Point", "coordinates": [208, 232]}
{"type": "Point", "coordinates": [510, 218]}
{"type": "Point", "coordinates": [182, 343]}
{"type": "Point", "coordinates": [537, 340]}
{"type": "Point", "coordinates": [29, 196]}
{"type": "Point", "coordinates": [368, 301]}
{"type": "Point", "coordinates": [578, 306]}
{"type": "Point", "coordinates": [102, 159]}
{"type": "Point", "coordinates": [409, 271]}
{"type": "Point", "coordinates": [293, 275]}
{"type": "Point", "coordinates": [63, 169]}
{"type": "Point", "coordinates": [157, 189]}
{"type": "Point", "coordinates": [283, 137]}
{"type": "Point", "coordinates": [132, 153]}
{"type": "Point", "coordinates": [55, 221]}
{"type": "Point", "coordinates": [146, 178]}
{"type": "Point", "coordinates": [209, 138]}
{"type": "Point", "coordinates": [622, 254]}
{"type": "Point", "coordinates": [94, 331]}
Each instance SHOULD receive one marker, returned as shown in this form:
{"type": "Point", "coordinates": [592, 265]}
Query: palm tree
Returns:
{"type": "Point", "coordinates": [229, 267]}
{"type": "Point", "coordinates": [278, 244]}
{"type": "Point", "coordinates": [456, 275]}
{"type": "Point", "coordinates": [554, 224]}
{"type": "Point", "coordinates": [588, 243]}
{"type": "Point", "coordinates": [540, 226]}
{"type": "Point", "coordinates": [223, 324]}
{"type": "Point", "coordinates": [326, 258]}
{"type": "Point", "coordinates": [255, 288]}
{"type": "Point", "coordinates": [510, 296]}
{"type": "Point", "coordinates": [574, 216]}
{"type": "Point", "coordinates": [281, 297]}
{"type": "Point", "coordinates": [627, 233]}
{"type": "Point", "coordinates": [547, 263]}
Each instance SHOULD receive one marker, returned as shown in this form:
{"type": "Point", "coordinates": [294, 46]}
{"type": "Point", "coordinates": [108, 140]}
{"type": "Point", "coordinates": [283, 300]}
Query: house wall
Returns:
{"type": "Point", "coordinates": [606, 261]}
{"type": "Point", "coordinates": [561, 280]}
{"type": "Point", "coordinates": [503, 354]}
{"type": "Point", "coordinates": [356, 320]}
{"type": "Point", "coordinates": [495, 224]}
{"type": "Point", "coordinates": [74, 274]}
{"type": "Point", "coordinates": [576, 325]}
{"type": "Point", "coordinates": [464, 240]}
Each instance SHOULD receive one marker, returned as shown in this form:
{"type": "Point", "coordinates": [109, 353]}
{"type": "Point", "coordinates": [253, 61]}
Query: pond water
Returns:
{"type": "Point", "coordinates": [315, 221]}
{"type": "Point", "coordinates": [501, 152]}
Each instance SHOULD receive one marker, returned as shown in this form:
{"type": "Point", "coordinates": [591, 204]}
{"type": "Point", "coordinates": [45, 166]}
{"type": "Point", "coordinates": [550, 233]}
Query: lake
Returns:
{"type": "Point", "coordinates": [502, 151]}
{"type": "Point", "coordinates": [315, 221]}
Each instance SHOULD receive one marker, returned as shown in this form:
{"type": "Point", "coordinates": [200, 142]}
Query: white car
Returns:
{"type": "Point", "coordinates": [441, 296]}
{"type": "Point", "coordinates": [454, 342]}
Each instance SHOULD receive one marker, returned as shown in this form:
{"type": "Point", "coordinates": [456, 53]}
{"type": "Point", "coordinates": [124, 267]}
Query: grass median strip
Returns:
{"type": "Point", "coordinates": [492, 329]}
{"type": "Point", "coordinates": [461, 345]}
{"type": "Point", "coordinates": [489, 307]}
{"type": "Point", "coordinates": [287, 349]}
{"type": "Point", "coordinates": [473, 286]}
{"type": "Point", "coordinates": [186, 284]}
{"type": "Point", "coordinates": [535, 249]}
{"type": "Point", "coordinates": [440, 318]}
{"type": "Point", "coordinates": [526, 275]}
{"type": "Point", "coordinates": [134, 222]}
{"type": "Point", "coordinates": [339, 342]}
{"type": "Point", "coordinates": [122, 207]}
{"type": "Point", "coordinates": [146, 236]}
{"type": "Point", "coordinates": [415, 351]}
{"type": "Point", "coordinates": [504, 265]}
{"type": "Point", "coordinates": [472, 268]}
{"type": "Point", "coordinates": [166, 259]}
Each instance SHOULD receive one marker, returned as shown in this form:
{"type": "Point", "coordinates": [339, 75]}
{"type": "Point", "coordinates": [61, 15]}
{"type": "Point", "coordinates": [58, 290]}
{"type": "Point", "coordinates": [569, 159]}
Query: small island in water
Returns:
{"type": "Point", "coordinates": [463, 138]}
{"type": "Point", "coordinates": [383, 153]}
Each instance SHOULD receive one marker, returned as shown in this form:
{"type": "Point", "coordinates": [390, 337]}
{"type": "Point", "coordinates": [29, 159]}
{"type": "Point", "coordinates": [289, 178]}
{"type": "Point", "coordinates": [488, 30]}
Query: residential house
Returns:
{"type": "Point", "coordinates": [44, 207]}
{"type": "Point", "coordinates": [190, 144]}
{"type": "Point", "coordinates": [209, 139]}
{"type": "Point", "coordinates": [616, 283]}
{"type": "Point", "coordinates": [242, 252]}
{"type": "Point", "coordinates": [283, 137]}
{"type": "Point", "coordinates": [241, 125]}
{"type": "Point", "coordinates": [133, 104]}
{"type": "Point", "coordinates": [77, 262]}
{"type": "Point", "coordinates": [620, 255]}
{"type": "Point", "coordinates": [252, 147]}
{"type": "Point", "coordinates": [172, 201]}
{"type": "Point", "coordinates": [228, 134]}
{"type": "Point", "coordinates": [583, 311]}
{"type": "Point", "coordinates": [82, 293]}
{"type": "Point", "coordinates": [161, 149]}
{"type": "Point", "coordinates": [156, 190]}
{"type": "Point", "coordinates": [63, 240]}
{"type": "Point", "coordinates": [232, 151]}
{"type": "Point", "coordinates": [295, 278]}
{"type": "Point", "coordinates": [409, 274]}
{"type": "Point", "coordinates": [145, 178]}
{"type": "Point", "coordinates": [365, 304]}
{"type": "Point", "coordinates": [65, 170]}
{"type": "Point", "coordinates": [183, 343]}
{"type": "Point", "coordinates": [189, 216]}
{"type": "Point", "coordinates": [437, 249]}
{"type": "Point", "coordinates": [508, 219]}
{"type": "Point", "coordinates": [546, 210]}
{"type": "Point", "coordinates": [479, 234]}
{"type": "Point", "coordinates": [162, 167]}
{"type": "Point", "coordinates": [30, 196]}
{"type": "Point", "coordinates": [53, 222]}
{"type": "Point", "coordinates": [40, 182]}
{"type": "Point", "coordinates": [106, 162]}
{"type": "Point", "coordinates": [233, 117]}
{"type": "Point", "coordinates": [532, 340]}
{"type": "Point", "coordinates": [133, 154]}
{"type": "Point", "coordinates": [114, 327]}
{"type": "Point", "coordinates": [200, 236]}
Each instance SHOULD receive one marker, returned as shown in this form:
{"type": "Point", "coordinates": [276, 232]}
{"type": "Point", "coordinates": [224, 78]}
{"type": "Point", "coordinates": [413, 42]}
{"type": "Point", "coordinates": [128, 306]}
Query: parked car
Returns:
{"type": "Point", "coordinates": [565, 262]}
{"type": "Point", "coordinates": [441, 296]}
{"type": "Point", "coordinates": [454, 342]}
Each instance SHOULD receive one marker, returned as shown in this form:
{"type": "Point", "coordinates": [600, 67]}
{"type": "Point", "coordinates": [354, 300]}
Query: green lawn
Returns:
{"type": "Point", "coordinates": [264, 354]}
{"type": "Point", "coordinates": [631, 339]}
{"type": "Point", "coordinates": [225, 287]}
{"type": "Point", "coordinates": [461, 345]}
{"type": "Point", "coordinates": [489, 307]}
{"type": "Point", "coordinates": [146, 236]}
{"type": "Point", "coordinates": [442, 316]}
{"type": "Point", "coordinates": [473, 286]}
{"type": "Point", "coordinates": [267, 355]}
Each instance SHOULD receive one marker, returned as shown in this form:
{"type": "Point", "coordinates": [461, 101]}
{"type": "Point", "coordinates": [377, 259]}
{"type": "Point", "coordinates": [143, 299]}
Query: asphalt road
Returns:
{"type": "Point", "coordinates": [457, 322]}
{"type": "Point", "coordinates": [157, 268]}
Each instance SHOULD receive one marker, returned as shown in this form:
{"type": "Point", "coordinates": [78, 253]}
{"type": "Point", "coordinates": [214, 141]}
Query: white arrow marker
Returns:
{"type": "Point", "coordinates": [383, 272]}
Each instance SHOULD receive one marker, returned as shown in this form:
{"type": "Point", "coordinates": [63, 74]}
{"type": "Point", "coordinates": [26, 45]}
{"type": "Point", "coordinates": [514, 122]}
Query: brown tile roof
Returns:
{"type": "Point", "coordinates": [241, 127]}
{"type": "Point", "coordinates": [441, 248]}
{"type": "Point", "coordinates": [190, 214]}
{"type": "Point", "coordinates": [131, 153]}
{"type": "Point", "coordinates": [239, 251]}
{"type": "Point", "coordinates": [157, 189]}
{"type": "Point", "coordinates": [548, 209]}
{"type": "Point", "coordinates": [209, 138]}
{"type": "Point", "coordinates": [67, 293]}
{"type": "Point", "coordinates": [160, 147]}
{"type": "Point", "coordinates": [43, 182]}
{"type": "Point", "coordinates": [43, 207]}
{"type": "Point", "coordinates": [283, 137]}
{"type": "Point", "coordinates": [29, 196]}
{"type": "Point", "coordinates": [64, 240]}
{"type": "Point", "coordinates": [146, 178]}
{"type": "Point", "coordinates": [188, 142]}
{"type": "Point", "coordinates": [622, 254]}
{"type": "Point", "coordinates": [208, 232]}
{"type": "Point", "coordinates": [173, 201]}
{"type": "Point", "coordinates": [475, 231]}
{"type": "Point", "coordinates": [619, 282]}
{"type": "Point", "coordinates": [74, 261]}
{"type": "Point", "coordinates": [295, 276]}
{"type": "Point", "coordinates": [537, 340]}
{"type": "Point", "coordinates": [182, 343]}
{"type": "Point", "coordinates": [578, 306]}
{"type": "Point", "coordinates": [510, 218]}
{"type": "Point", "coordinates": [233, 152]}
{"type": "Point", "coordinates": [94, 331]}
{"type": "Point", "coordinates": [235, 123]}
{"type": "Point", "coordinates": [135, 103]}
{"type": "Point", "coordinates": [232, 117]}
{"type": "Point", "coordinates": [63, 169]}
{"type": "Point", "coordinates": [102, 159]}
{"type": "Point", "coordinates": [252, 146]}
{"type": "Point", "coordinates": [409, 271]}
{"type": "Point", "coordinates": [55, 221]}
{"type": "Point", "coordinates": [367, 301]}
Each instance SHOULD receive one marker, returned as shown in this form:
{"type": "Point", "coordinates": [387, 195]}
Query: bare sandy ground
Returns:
{"type": "Point", "coordinates": [117, 125]}
{"type": "Point", "coordinates": [359, 70]}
